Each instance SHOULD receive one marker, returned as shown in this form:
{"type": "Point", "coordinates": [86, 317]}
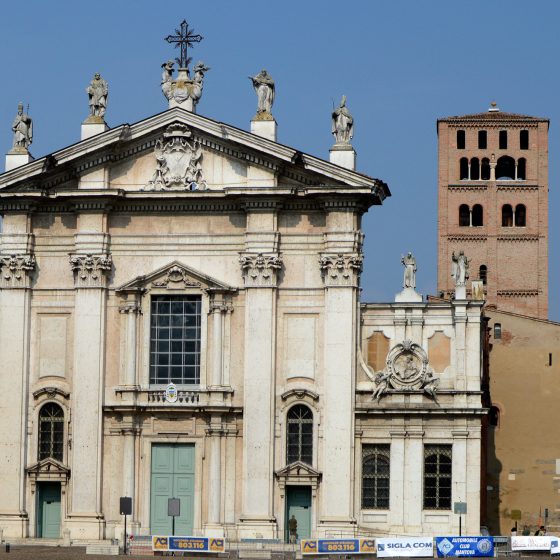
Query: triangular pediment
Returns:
{"type": "Point", "coordinates": [298, 469]}
{"type": "Point", "coordinates": [176, 275]}
{"type": "Point", "coordinates": [49, 466]}
{"type": "Point", "coordinates": [130, 153]}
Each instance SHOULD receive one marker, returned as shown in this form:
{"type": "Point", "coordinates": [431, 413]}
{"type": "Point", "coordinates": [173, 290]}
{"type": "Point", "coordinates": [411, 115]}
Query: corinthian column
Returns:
{"type": "Point", "coordinates": [131, 310]}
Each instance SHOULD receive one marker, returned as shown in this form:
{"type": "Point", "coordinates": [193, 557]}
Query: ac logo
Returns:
{"type": "Point", "coordinates": [159, 543]}
{"type": "Point", "coordinates": [308, 547]}
{"type": "Point", "coordinates": [217, 545]}
{"type": "Point", "coordinates": [367, 545]}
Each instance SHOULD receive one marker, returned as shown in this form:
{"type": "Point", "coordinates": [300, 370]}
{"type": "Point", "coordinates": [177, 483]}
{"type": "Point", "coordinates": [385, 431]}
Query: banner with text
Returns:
{"type": "Point", "coordinates": [554, 545]}
{"type": "Point", "coordinates": [190, 544]}
{"type": "Point", "coordinates": [464, 546]}
{"type": "Point", "coordinates": [530, 543]}
{"type": "Point", "coordinates": [337, 546]}
{"type": "Point", "coordinates": [414, 546]}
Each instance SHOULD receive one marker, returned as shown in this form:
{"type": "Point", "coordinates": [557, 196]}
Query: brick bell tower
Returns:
{"type": "Point", "coordinates": [493, 205]}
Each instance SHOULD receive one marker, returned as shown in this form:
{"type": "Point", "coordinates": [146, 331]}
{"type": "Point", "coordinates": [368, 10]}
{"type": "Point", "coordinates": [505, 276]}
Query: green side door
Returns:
{"type": "Point", "coordinates": [172, 477]}
{"type": "Point", "coordinates": [298, 504]}
{"type": "Point", "coordinates": [48, 510]}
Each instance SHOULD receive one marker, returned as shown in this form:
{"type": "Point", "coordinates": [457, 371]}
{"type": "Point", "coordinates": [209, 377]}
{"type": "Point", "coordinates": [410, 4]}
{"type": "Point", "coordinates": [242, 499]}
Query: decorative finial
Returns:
{"type": "Point", "coordinates": [342, 124]}
{"type": "Point", "coordinates": [493, 107]}
{"type": "Point", "coordinates": [265, 90]}
{"type": "Point", "coordinates": [98, 92]}
{"type": "Point", "coordinates": [22, 128]}
{"type": "Point", "coordinates": [183, 91]}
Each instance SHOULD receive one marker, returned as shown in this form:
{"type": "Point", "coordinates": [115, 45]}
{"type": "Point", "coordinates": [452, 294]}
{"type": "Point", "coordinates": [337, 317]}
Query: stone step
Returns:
{"type": "Point", "coordinates": [103, 549]}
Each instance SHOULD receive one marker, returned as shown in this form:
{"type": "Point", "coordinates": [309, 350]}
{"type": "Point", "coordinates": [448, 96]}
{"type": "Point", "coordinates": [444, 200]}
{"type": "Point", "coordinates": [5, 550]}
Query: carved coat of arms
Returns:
{"type": "Point", "coordinates": [178, 159]}
{"type": "Point", "coordinates": [407, 369]}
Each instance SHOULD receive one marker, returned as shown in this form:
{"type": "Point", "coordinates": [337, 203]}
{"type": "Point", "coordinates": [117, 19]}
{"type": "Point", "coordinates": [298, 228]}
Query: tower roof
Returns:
{"type": "Point", "coordinates": [493, 115]}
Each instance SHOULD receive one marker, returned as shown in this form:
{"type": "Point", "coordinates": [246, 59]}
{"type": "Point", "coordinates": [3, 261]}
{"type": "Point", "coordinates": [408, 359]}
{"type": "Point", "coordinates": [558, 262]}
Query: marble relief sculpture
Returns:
{"type": "Point", "coordinates": [409, 263]}
{"type": "Point", "coordinates": [22, 128]}
{"type": "Point", "coordinates": [460, 268]}
{"type": "Point", "coordinates": [98, 92]}
{"type": "Point", "coordinates": [342, 123]}
{"type": "Point", "coordinates": [265, 90]}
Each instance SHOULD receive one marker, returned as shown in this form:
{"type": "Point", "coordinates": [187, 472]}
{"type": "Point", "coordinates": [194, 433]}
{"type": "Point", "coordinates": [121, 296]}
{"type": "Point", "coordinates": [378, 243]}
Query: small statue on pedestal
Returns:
{"type": "Point", "coordinates": [98, 92]}
{"type": "Point", "coordinates": [265, 90]}
{"type": "Point", "coordinates": [22, 128]}
{"type": "Point", "coordinates": [342, 123]}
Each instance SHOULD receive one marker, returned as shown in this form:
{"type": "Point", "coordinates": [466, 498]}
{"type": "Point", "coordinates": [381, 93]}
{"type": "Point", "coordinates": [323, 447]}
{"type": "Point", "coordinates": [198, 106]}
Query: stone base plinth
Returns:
{"type": "Point", "coordinates": [336, 529]}
{"type": "Point", "coordinates": [85, 526]}
{"type": "Point", "coordinates": [92, 127]}
{"type": "Point", "coordinates": [343, 155]}
{"type": "Point", "coordinates": [460, 292]}
{"type": "Point", "coordinates": [408, 295]}
{"type": "Point", "coordinates": [257, 529]}
{"type": "Point", "coordinates": [13, 526]}
{"type": "Point", "coordinates": [214, 530]}
{"type": "Point", "coordinates": [17, 159]}
{"type": "Point", "coordinates": [264, 128]}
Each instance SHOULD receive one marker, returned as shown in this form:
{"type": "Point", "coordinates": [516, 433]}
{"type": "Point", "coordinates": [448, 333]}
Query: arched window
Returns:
{"type": "Point", "coordinates": [51, 432]}
{"type": "Point", "coordinates": [460, 139]}
{"type": "Point", "coordinates": [475, 169]}
{"type": "Point", "coordinates": [505, 168]}
{"type": "Point", "coordinates": [494, 417]}
{"type": "Point", "coordinates": [520, 215]}
{"type": "Point", "coordinates": [482, 140]}
{"type": "Point", "coordinates": [299, 444]}
{"type": "Point", "coordinates": [477, 215]}
{"type": "Point", "coordinates": [483, 273]}
{"type": "Point", "coordinates": [507, 215]}
{"type": "Point", "coordinates": [485, 169]}
{"type": "Point", "coordinates": [376, 472]}
{"type": "Point", "coordinates": [524, 139]}
{"type": "Point", "coordinates": [497, 331]}
{"type": "Point", "coordinates": [463, 168]}
{"type": "Point", "coordinates": [522, 169]}
{"type": "Point", "coordinates": [503, 140]}
{"type": "Point", "coordinates": [464, 215]}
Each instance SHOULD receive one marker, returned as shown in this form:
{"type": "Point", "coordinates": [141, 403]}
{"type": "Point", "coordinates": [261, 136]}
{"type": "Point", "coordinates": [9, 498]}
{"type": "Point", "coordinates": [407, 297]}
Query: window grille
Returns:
{"type": "Point", "coordinates": [376, 470]}
{"type": "Point", "coordinates": [175, 340]}
{"type": "Point", "coordinates": [51, 432]}
{"type": "Point", "coordinates": [299, 445]}
{"type": "Point", "coordinates": [437, 476]}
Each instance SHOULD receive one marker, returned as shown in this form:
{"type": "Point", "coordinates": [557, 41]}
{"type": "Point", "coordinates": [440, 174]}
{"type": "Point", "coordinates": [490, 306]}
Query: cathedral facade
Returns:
{"type": "Point", "coordinates": [180, 318]}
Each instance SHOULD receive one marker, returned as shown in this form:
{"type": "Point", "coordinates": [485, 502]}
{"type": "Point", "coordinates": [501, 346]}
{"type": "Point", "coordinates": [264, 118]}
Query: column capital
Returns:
{"type": "Point", "coordinates": [130, 307]}
{"type": "Point", "coordinates": [90, 271]}
{"type": "Point", "coordinates": [260, 270]}
{"type": "Point", "coordinates": [341, 269]}
{"type": "Point", "coordinates": [16, 270]}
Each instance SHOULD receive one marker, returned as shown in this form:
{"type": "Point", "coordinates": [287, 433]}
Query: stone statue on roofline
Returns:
{"type": "Point", "coordinates": [265, 90]}
{"type": "Point", "coordinates": [460, 268]}
{"type": "Point", "coordinates": [342, 124]}
{"type": "Point", "coordinates": [409, 263]}
{"type": "Point", "coordinates": [98, 92]}
{"type": "Point", "coordinates": [22, 128]}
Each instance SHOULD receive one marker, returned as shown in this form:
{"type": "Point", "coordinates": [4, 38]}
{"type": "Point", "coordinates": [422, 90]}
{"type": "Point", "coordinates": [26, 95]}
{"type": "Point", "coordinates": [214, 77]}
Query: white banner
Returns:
{"type": "Point", "coordinates": [414, 546]}
{"type": "Point", "coordinates": [530, 543]}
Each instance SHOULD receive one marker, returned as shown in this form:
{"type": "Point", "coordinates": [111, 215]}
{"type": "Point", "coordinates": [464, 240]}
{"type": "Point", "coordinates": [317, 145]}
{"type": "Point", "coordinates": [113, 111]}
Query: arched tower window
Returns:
{"type": "Point", "coordinates": [520, 215]}
{"type": "Point", "coordinates": [503, 140]}
{"type": "Point", "coordinates": [507, 215]}
{"type": "Point", "coordinates": [505, 168]}
{"type": "Point", "coordinates": [482, 140]}
{"type": "Point", "coordinates": [460, 139]}
{"type": "Point", "coordinates": [485, 169]}
{"type": "Point", "coordinates": [475, 169]}
{"type": "Point", "coordinates": [299, 444]}
{"type": "Point", "coordinates": [483, 273]}
{"type": "Point", "coordinates": [51, 432]}
{"type": "Point", "coordinates": [464, 215]}
{"type": "Point", "coordinates": [524, 139]}
{"type": "Point", "coordinates": [521, 169]}
{"type": "Point", "coordinates": [463, 168]}
{"type": "Point", "coordinates": [477, 215]}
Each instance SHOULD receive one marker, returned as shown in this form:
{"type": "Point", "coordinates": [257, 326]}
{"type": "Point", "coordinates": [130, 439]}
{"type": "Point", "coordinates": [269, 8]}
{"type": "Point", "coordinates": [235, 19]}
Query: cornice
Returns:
{"type": "Point", "coordinates": [518, 237]}
{"type": "Point", "coordinates": [467, 237]}
{"type": "Point", "coordinates": [518, 293]}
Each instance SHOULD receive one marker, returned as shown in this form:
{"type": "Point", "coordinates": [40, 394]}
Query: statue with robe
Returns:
{"type": "Point", "coordinates": [98, 91]}
{"type": "Point", "coordinates": [409, 263]}
{"type": "Point", "coordinates": [22, 128]}
{"type": "Point", "coordinates": [264, 88]}
{"type": "Point", "coordinates": [342, 123]}
{"type": "Point", "coordinates": [460, 268]}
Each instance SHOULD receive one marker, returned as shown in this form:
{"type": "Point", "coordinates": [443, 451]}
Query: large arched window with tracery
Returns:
{"type": "Point", "coordinates": [51, 432]}
{"type": "Point", "coordinates": [299, 444]}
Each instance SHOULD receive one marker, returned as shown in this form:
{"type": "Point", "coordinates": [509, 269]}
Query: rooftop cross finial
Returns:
{"type": "Point", "coordinates": [183, 39]}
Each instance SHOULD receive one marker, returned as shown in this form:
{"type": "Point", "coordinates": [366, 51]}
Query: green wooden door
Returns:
{"type": "Point", "coordinates": [172, 477]}
{"type": "Point", "coordinates": [48, 510]}
{"type": "Point", "coordinates": [298, 504]}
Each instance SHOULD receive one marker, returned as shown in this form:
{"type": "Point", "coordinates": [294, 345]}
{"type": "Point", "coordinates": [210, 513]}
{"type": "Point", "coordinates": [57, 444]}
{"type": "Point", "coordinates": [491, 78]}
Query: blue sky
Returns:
{"type": "Point", "coordinates": [402, 64]}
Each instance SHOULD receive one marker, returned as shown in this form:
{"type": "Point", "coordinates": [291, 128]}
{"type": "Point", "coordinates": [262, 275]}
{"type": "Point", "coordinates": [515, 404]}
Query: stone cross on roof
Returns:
{"type": "Point", "coordinates": [184, 38]}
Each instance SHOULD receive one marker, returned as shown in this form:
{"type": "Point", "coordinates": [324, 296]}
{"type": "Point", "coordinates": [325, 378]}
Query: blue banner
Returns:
{"type": "Point", "coordinates": [464, 546]}
{"type": "Point", "coordinates": [337, 546]}
{"type": "Point", "coordinates": [191, 544]}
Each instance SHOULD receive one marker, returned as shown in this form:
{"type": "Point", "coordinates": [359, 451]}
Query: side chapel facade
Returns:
{"type": "Point", "coordinates": [242, 291]}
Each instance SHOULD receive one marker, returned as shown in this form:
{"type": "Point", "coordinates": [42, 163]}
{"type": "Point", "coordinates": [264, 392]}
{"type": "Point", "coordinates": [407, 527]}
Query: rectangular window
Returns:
{"type": "Point", "coordinates": [524, 139]}
{"type": "Point", "coordinates": [460, 139]}
{"type": "Point", "coordinates": [482, 140]}
{"type": "Point", "coordinates": [376, 472]}
{"type": "Point", "coordinates": [437, 476]}
{"type": "Point", "coordinates": [175, 340]}
{"type": "Point", "coordinates": [503, 139]}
